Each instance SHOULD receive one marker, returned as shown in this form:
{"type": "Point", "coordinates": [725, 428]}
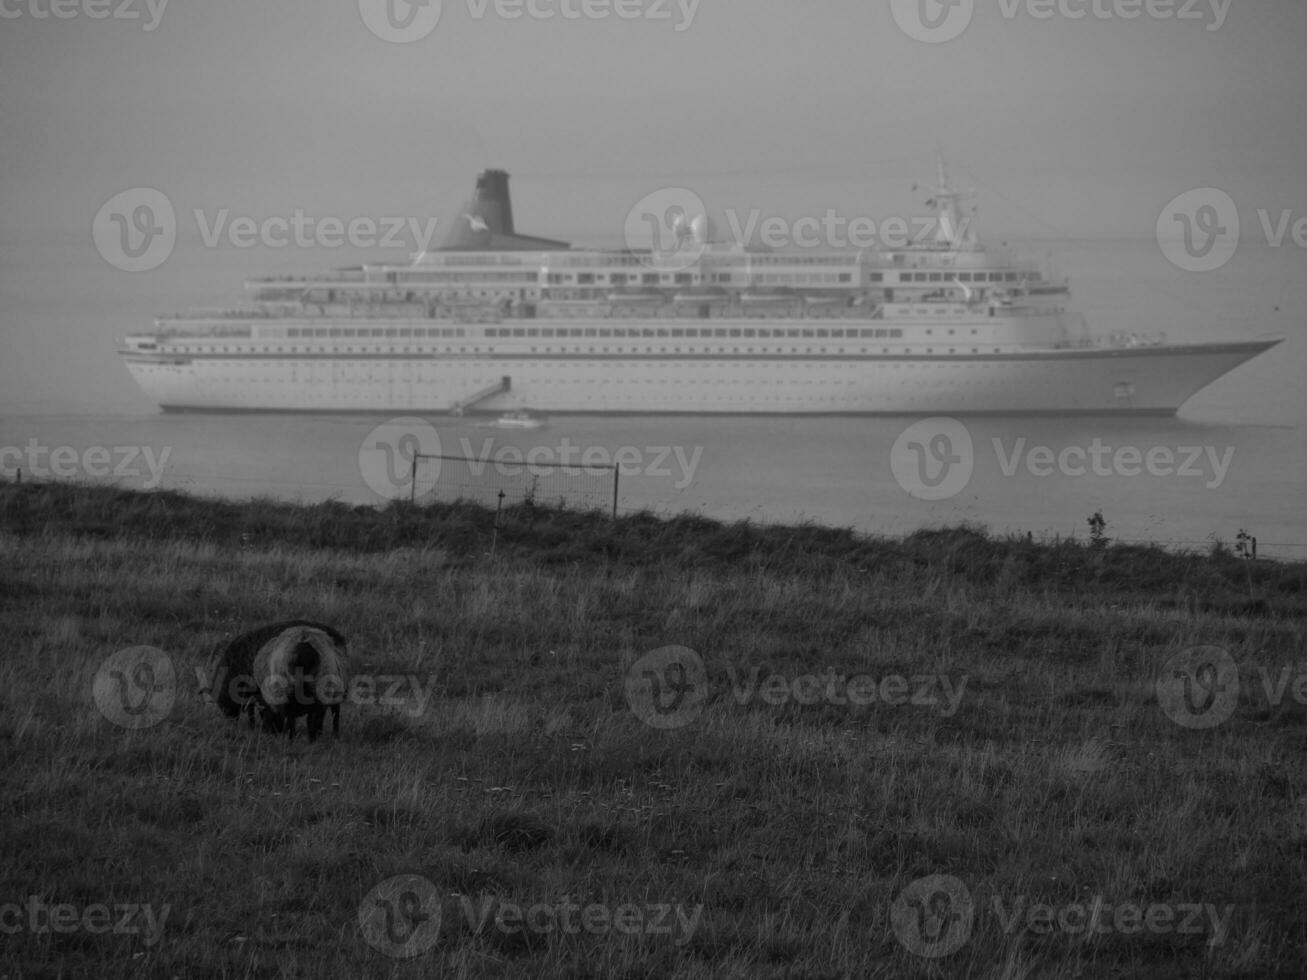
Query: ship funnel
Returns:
{"type": "Point", "coordinates": [492, 203]}
{"type": "Point", "coordinates": [486, 221]}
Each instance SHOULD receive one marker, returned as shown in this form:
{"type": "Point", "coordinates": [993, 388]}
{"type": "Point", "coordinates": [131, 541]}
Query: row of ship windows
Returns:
{"type": "Point", "coordinates": [610, 261]}
{"type": "Point", "coordinates": [373, 332]}
{"type": "Point", "coordinates": [866, 333]}
{"type": "Point", "coordinates": [806, 382]}
{"type": "Point", "coordinates": [548, 333]}
{"type": "Point", "coordinates": [626, 279]}
{"type": "Point", "coordinates": [687, 278]}
{"type": "Point", "coordinates": [820, 378]}
{"type": "Point", "coordinates": [659, 350]}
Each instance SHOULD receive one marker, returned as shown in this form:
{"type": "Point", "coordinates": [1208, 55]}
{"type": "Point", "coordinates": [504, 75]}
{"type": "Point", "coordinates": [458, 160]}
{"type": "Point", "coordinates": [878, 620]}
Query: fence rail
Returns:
{"type": "Point", "coordinates": [578, 486]}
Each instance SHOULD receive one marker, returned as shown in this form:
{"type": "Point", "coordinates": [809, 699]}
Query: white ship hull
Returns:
{"type": "Point", "coordinates": [1145, 380]}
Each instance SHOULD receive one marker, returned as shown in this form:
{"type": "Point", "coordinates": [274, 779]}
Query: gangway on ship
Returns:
{"type": "Point", "coordinates": [499, 387]}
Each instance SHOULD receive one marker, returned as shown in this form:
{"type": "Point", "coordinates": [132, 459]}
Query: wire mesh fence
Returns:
{"type": "Point", "coordinates": [499, 482]}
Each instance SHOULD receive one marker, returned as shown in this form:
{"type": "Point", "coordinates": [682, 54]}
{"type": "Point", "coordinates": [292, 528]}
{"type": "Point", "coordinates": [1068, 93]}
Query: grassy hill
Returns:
{"type": "Point", "coordinates": [990, 750]}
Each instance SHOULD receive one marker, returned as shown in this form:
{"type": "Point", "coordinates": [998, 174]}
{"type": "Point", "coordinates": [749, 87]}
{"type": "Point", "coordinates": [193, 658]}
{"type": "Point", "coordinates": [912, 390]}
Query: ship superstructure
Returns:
{"type": "Point", "coordinates": [498, 321]}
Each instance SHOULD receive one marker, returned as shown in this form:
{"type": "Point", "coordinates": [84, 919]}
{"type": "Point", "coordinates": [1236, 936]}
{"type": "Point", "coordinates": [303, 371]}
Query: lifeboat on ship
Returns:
{"type": "Point", "coordinates": [636, 297]}
{"type": "Point", "coordinates": [702, 294]}
{"type": "Point", "coordinates": [769, 295]}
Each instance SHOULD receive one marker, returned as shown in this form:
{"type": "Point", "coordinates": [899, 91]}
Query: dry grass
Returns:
{"type": "Point", "coordinates": [513, 770]}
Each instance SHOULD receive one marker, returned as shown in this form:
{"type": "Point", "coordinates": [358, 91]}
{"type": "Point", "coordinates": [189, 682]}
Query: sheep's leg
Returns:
{"type": "Point", "coordinates": [290, 727]}
{"type": "Point", "coordinates": [335, 719]}
{"type": "Point", "coordinates": [314, 721]}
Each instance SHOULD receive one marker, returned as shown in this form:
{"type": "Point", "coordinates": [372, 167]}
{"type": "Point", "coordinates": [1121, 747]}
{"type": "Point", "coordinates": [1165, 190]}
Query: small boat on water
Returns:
{"type": "Point", "coordinates": [517, 420]}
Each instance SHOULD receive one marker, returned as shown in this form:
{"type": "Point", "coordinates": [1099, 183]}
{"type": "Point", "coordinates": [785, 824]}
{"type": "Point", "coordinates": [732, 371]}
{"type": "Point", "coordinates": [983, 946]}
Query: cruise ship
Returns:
{"type": "Point", "coordinates": [497, 321]}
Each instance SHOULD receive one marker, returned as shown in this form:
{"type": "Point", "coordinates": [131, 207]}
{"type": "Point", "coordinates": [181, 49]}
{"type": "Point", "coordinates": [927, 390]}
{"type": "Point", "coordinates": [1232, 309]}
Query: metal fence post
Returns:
{"type": "Point", "coordinates": [617, 470]}
{"type": "Point", "coordinates": [413, 480]}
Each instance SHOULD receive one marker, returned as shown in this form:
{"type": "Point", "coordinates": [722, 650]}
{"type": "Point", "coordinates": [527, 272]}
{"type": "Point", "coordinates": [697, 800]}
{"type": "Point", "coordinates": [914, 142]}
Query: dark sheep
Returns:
{"type": "Point", "coordinates": [283, 671]}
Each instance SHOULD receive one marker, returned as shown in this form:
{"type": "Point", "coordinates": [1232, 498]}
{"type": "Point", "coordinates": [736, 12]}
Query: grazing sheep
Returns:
{"type": "Point", "coordinates": [283, 671]}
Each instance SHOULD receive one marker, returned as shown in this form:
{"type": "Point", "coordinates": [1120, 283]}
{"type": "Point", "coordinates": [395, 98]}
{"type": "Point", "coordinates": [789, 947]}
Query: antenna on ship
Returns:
{"type": "Point", "coordinates": [951, 229]}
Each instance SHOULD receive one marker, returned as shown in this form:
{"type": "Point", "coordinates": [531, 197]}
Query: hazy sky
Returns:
{"type": "Point", "coordinates": [260, 105]}
{"type": "Point", "coordinates": [1076, 127]}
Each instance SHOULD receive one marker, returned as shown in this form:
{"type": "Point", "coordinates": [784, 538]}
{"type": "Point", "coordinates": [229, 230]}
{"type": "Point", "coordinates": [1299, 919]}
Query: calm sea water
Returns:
{"type": "Point", "coordinates": [65, 388]}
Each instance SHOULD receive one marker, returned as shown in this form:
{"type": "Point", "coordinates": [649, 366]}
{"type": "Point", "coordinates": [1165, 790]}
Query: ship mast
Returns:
{"type": "Point", "coordinates": [951, 229]}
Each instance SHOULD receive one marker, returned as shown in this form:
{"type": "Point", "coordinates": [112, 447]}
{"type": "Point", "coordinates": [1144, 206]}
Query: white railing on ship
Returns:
{"type": "Point", "coordinates": [1116, 341]}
